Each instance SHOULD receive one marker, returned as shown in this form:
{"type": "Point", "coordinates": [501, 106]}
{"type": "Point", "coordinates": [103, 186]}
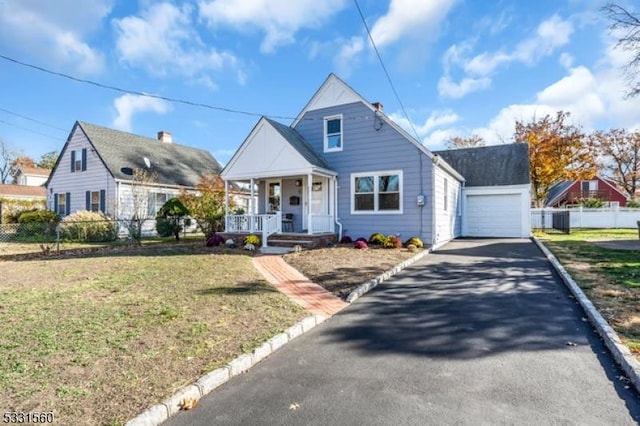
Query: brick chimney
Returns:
{"type": "Point", "coordinates": [378, 106]}
{"type": "Point", "coordinates": [164, 136]}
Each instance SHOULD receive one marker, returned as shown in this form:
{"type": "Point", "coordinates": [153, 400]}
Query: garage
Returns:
{"type": "Point", "coordinates": [494, 215]}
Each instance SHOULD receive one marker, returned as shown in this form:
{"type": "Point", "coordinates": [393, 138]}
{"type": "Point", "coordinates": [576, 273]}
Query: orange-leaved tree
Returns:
{"type": "Point", "coordinates": [620, 156]}
{"type": "Point", "coordinates": [207, 205]}
{"type": "Point", "coordinates": [557, 151]}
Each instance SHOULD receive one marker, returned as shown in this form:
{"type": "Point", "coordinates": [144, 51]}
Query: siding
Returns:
{"type": "Point", "coordinates": [96, 177]}
{"type": "Point", "coordinates": [448, 221]}
{"type": "Point", "coordinates": [366, 149]}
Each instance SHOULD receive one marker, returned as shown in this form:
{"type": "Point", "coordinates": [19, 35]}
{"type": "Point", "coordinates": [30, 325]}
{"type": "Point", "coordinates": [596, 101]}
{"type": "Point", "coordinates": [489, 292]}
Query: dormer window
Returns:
{"type": "Point", "coordinates": [333, 133]}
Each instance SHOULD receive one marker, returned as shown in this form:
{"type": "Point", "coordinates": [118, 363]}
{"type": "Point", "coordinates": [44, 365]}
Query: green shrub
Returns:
{"type": "Point", "coordinates": [591, 203]}
{"type": "Point", "coordinates": [415, 241]}
{"type": "Point", "coordinates": [392, 242]}
{"type": "Point", "coordinates": [34, 223]}
{"type": "Point", "coordinates": [633, 204]}
{"type": "Point", "coordinates": [377, 239]}
{"type": "Point", "coordinates": [252, 239]}
{"type": "Point", "coordinates": [88, 226]}
{"type": "Point", "coordinates": [169, 218]}
{"type": "Point", "coordinates": [164, 227]}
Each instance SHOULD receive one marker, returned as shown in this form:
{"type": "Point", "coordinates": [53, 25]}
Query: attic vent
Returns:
{"type": "Point", "coordinates": [164, 137]}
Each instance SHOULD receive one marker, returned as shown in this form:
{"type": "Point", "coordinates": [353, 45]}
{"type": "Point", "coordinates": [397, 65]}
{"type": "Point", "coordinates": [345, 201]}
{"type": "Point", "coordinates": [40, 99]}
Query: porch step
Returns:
{"type": "Point", "coordinates": [275, 250]}
{"type": "Point", "coordinates": [289, 243]}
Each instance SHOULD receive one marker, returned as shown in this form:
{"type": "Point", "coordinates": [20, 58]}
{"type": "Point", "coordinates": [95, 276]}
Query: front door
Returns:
{"type": "Point", "coordinates": [274, 196]}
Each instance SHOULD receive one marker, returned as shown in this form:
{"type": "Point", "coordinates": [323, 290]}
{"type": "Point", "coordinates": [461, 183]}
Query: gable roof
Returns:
{"type": "Point", "coordinates": [34, 171]}
{"type": "Point", "coordinates": [173, 164]}
{"type": "Point", "coordinates": [274, 149]}
{"type": "Point", "coordinates": [491, 165]}
{"type": "Point", "coordinates": [334, 91]}
{"type": "Point", "coordinates": [559, 189]}
{"type": "Point", "coordinates": [296, 140]}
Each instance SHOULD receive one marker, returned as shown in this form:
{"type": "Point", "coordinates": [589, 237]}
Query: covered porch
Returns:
{"type": "Point", "coordinates": [293, 189]}
{"type": "Point", "coordinates": [287, 205]}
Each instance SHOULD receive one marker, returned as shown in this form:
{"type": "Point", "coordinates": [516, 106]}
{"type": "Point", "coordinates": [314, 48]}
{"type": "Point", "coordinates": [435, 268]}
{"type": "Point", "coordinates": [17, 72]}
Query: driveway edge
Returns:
{"type": "Point", "coordinates": [620, 352]}
{"type": "Point", "coordinates": [192, 393]}
{"type": "Point", "coordinates": [366, 287]}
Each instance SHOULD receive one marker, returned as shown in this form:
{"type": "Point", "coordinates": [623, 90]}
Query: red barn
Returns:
{"type": "Point", "coordinates": [571, 193]}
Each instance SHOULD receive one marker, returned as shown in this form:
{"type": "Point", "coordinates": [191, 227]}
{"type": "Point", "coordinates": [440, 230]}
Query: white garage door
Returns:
{"type": "Point", "coordinates": [497, 215]}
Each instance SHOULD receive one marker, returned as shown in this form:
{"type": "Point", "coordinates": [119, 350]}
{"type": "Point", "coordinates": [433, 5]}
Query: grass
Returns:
{"type": "Point", "coordinates": [609, 277]}
{"type": "Point", "coordinates": [99, 338]}
{"type": "Point", "coordinates": [341, 269]}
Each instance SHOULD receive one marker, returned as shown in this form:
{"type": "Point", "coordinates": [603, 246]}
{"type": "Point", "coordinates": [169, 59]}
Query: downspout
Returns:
{"type": "Point", "coordinates": [436, 161]}
{"type": "Point", "coordinates": [335, 208]}
{"type": "Point", "coordinates": [226, 205]}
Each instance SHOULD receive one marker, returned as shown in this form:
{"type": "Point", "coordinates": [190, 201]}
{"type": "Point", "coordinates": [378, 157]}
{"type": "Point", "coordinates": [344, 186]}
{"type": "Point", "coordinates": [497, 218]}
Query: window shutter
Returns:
{"type": "Point", "coordinates": [68, 206]}
{"type": "Point", "coordinates": [84, 159]}
{"type": "Point", "coordinates": [73, 161]}
{"type": "Point", "coordinates": [55, 202]}
{"type": "Point", "coordinates": [102, 200]}
{"type": "Point", "coordinates": [88, 200]}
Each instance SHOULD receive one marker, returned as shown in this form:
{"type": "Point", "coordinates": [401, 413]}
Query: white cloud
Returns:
{"type": "Point", "coordinates": [451, 89]}
{"type": "Point", "coordinates": [409, 19]}
{"type": "Point", "coordinates": [129, 105]}
{"type": "Point", "coordinates": [163, 42]}
{"type": "Point", "coordinates": [430, 131]}
{"type": "Point", "coordinates": [551, 34]}
{"type": "Point", "coordinates": [347, 55]}
{"type": "Point", "coordinates": [55, 32]}
{"type": "Point", "coordinates": [280, 20]}
{"type": "Point", "coordinates": [566, 60]}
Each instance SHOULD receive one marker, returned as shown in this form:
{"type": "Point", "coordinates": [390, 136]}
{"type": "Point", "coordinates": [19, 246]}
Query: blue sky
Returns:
{"type": "Point", "coordinates": [459, 66]}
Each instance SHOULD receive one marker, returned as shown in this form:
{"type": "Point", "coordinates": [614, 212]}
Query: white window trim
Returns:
{"type": "Point", "coordinates": [326, 139]}
{"type": "Point", "coordinates": [376, 193]}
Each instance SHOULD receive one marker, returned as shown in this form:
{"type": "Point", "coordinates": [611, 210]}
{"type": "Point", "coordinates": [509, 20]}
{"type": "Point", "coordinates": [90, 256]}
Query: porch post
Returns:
{"type": "Point", "coordinates": [251, 206]}
{"type": "Point", "coordinates": [226, 205]}
{"type": "Point", "coordinates": [309, 197]}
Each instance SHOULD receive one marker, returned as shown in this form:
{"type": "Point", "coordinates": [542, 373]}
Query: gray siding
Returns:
{"type": "Point", "coordinates": [366, 149]}
{"type": "Point", "coordinates": [95, 178]}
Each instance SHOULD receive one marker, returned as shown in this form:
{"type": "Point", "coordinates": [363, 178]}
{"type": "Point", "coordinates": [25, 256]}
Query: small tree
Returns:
{"type": "Point", "coordinates": [207, 206]}
{"type": "Point", "coordinates": [620, 155]}
{"type": "Point", "coordinates": [137, 214]}
{"type": "Point", "coordinates": [170, 217]}
{"type": "Point", "coordinates": [557, 151]}
{"type": "Point", "coordinates": [48, 160]}
{"type": "Point", "coordinates": [7, 156]}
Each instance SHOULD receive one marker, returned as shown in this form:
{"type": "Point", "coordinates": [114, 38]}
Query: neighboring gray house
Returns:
{"type": "Point", "coordinates": [95, 172]}
{"type": "Point", "coordinates": [496, 198]}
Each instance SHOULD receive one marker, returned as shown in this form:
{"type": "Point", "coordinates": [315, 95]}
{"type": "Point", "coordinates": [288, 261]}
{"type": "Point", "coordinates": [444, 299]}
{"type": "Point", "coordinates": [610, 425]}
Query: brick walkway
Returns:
{"type": "Point", "coordinates": [298, 287]}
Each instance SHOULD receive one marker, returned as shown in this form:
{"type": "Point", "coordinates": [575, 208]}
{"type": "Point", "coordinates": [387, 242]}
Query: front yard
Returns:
{"type": "Point", "coordinates": [609, 277]}
{"type": "Point", "coordinates": [97, 339]}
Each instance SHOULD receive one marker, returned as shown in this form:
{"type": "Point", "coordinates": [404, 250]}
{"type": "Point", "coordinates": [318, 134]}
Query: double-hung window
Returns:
{"type": "Point", "coordinates": [333, 133]}
{"type": "Point", "coordinates": [376, 192]}
{"type": "Point", "coordinates": [155, 202]}
{"type": "Point", "coordinates": [79, 160]}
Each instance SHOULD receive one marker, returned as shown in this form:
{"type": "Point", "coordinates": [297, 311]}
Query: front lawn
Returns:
{"type": "Point", "coordinates": [610, 278]}
{"type": "Point", "coordinates": [97, 339]}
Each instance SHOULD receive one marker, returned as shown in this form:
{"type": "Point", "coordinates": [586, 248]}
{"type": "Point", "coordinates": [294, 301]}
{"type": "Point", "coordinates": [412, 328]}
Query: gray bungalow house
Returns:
{"type": "Point", "coordinates": [95, 172]}
{"type": "Point", "coordinates": [345, 168]}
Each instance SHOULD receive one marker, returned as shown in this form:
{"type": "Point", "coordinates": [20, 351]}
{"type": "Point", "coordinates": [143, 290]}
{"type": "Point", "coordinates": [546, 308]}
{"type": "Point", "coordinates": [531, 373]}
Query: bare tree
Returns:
{"type": "Point", "coordinates": [7, 156]}
{"type": "Point", "coordinates": [626, 26]}
{"type": "Point", "coordinates": [458, 142]}
{"type": "Point", "coordinates": [136, 211]}
{"type": "Point", "coordinates": [620, 158]}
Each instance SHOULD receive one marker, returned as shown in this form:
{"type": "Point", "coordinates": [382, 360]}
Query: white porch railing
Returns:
{"type": "Point", "coordinates": [321, 223]}
{"type": "Point", "coordinates": [266, 224]}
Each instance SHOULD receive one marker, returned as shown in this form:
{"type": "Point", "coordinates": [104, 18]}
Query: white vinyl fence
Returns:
{"type": "Point", "coordinates": [609, 217]}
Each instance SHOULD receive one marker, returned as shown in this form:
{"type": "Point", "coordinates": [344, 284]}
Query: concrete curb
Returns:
{"type": "Point", "coordinates": [159, 413]}
{"type": "Point", "coordinates": [366, 287]}
{"type": "Point", "coordinates": [620, 352]}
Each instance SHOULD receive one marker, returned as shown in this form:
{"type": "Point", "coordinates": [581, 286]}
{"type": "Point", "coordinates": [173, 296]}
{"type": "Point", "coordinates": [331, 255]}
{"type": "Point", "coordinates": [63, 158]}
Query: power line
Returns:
{"type": "Point", "coordinates": [30, 130]}
{"type": "Point", "coordinates": [135, 92]}
{"type": "Point", "coordinates": [384, 68]}
{"type": "Point", "coordinates": [33, 119]}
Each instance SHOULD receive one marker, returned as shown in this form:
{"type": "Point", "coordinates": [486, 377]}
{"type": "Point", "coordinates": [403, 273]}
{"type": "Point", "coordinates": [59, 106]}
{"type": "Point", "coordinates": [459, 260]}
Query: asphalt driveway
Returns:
{"type": "Point", "coordinates": [480, 332]}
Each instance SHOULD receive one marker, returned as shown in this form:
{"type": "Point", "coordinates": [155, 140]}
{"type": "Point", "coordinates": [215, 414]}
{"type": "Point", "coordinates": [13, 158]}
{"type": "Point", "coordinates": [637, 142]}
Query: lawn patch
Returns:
{"type": "Point", "coordinates": [99, 339]}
